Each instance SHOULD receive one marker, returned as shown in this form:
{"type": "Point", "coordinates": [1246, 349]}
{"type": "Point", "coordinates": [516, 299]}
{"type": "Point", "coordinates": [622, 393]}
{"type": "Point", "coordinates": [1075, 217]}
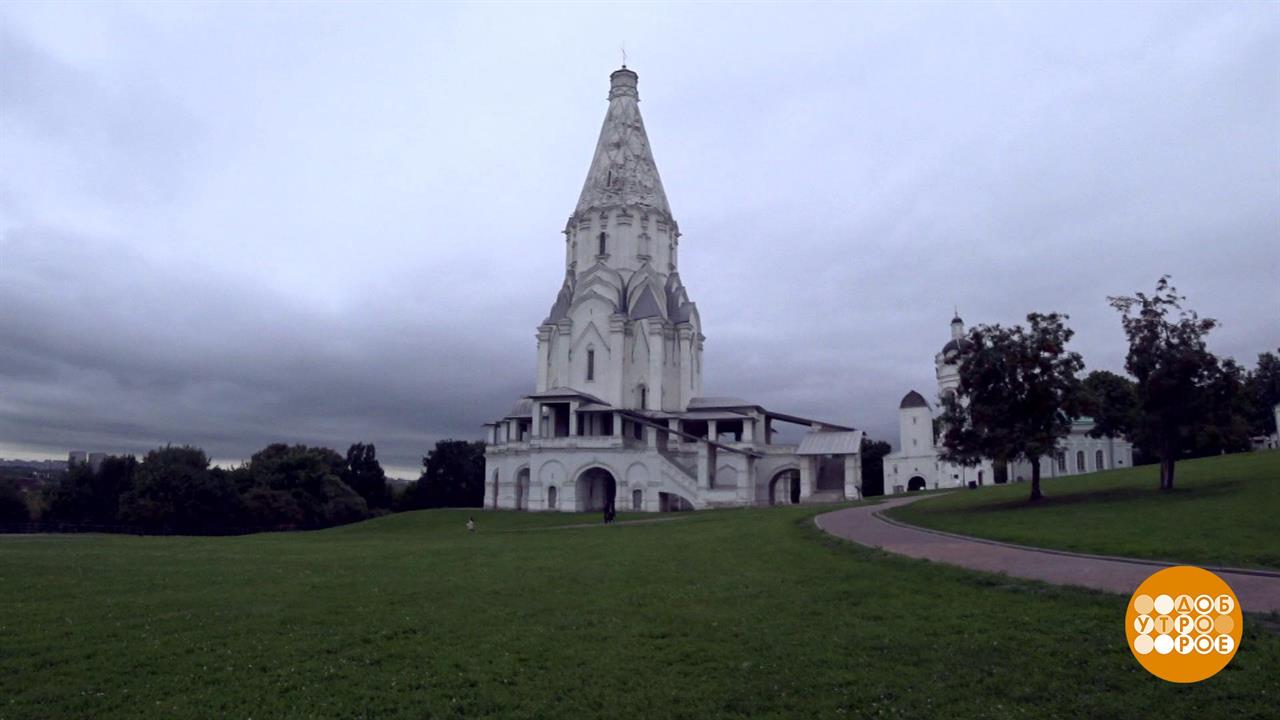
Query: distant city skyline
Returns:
{"type": "Point", "coordinates": [228, 226]}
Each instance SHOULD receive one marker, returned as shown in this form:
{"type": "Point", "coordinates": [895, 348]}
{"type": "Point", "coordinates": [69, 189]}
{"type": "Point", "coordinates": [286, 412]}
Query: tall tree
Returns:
{"type": "Point", "coordinates": [873, 452]}
{"type": "Point", "coordinates": [13, 503]}
{"type": "Point", "coordinates": [292, 481]}
{"type": "Point", "coordinates": [1225, 414]}
{"type": "Point", "coordinates": [1263, 388]}
{"type": "Point", "coordinates": [174, 491]}
{"type": "Point", "coordinates": [1173, 368]}
{"type": "Point", "coordinates": [364, 474]}
{"type": "Point", "coordinates": [1112, 401]}
{"type": "Point", "coordinates": [452, 476]}
{"type": "Point", "coordinates": [1017, 394]}
{"type": "Point", "coordinates": [87, 497]}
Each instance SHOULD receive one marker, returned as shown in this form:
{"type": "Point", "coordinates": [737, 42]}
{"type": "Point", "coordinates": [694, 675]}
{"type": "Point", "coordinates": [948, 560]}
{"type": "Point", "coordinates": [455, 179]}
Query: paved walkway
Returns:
{"type": "Point", "coordinates": [1257, 591]}
{"type": "Point", "coordinates": [599, 524]}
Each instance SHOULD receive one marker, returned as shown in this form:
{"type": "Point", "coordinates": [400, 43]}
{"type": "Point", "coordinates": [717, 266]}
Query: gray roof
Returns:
{"type": "Point", "coordinates": [595, 407]}
{"type": "Point", "coordinates": [711, 415]}
{"type": "Point", "coordinates": [622, 170]}
{"type": "Point", "coordinates": [646, 305]}
{"type": "Point", "coordinates": [913, 399]}
{"type": "Point", "coordinates": [702, 403]}
{"type": "Point", "coordinates": [831, 443]}
{"type": "Point", "coordinates": [522, 409]}
{"type": "Point", "coordinates": [565, 392]}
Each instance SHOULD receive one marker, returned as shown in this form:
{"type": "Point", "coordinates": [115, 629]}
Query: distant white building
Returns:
{"type": "Point", "coordinates": [916, 464]}
{"type": "Point", "coordinates": [77, 457]}
{"type": "Point", "coordinates": [617, 417]}
{"type": "Point", "coordinates": [1272, 441]}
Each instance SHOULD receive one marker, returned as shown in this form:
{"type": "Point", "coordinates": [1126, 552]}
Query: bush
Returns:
{"type": "Point", "coordinates": [13, 504]}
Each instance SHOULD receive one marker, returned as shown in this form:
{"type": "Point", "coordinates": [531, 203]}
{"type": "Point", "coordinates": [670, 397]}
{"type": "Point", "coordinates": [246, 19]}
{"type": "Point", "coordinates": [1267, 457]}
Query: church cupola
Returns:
{"type": "Point", "coordinates": [957, 327]}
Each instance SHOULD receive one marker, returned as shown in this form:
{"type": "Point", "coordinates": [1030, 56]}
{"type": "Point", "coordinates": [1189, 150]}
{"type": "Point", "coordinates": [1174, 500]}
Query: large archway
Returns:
{"type": "Point", "coordinates": [596, 490]}
{"type": "Point", "coordinates": [916, 483]}
{"type": "Point", "coordinates": [785, 487]}
{"type": "Point", "coordinates": [522, 489]}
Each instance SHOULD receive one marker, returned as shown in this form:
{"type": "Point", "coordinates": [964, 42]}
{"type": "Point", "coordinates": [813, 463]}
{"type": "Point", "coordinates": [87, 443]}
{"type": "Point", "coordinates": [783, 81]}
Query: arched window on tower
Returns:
{"type": "Point", "coordinates": [642, 396]}
{"type": "Point", "coordinates": [604, 243]}
{"type": "Point", "coordinates": [591, 364]}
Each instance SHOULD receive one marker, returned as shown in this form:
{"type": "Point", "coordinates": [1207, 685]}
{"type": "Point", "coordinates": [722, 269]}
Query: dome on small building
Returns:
{"type": "Point", "coordinates": [913, 399]}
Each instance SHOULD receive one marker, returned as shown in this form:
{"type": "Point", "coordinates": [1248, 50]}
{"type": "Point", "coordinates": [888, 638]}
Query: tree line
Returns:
{"type": "Point", "coordinates": [1020, 390]}
{"type": "Point", "coordinates": [282, 487]}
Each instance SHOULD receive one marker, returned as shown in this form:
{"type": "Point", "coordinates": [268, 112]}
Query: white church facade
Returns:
{"type": "Point", "coordinates": [617, 418]}
{"type": "Point", "coordinates": [917, 466]}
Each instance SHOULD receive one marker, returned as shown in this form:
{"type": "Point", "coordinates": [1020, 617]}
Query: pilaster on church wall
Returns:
{"type": "Point", "coordinates": [545, 361]}
{"type": "Point", "coordinates": [686, 347]}
{"type": "Point", "coordinates": [657, 351]}
{"type": "Point", "coordinates": [563, 344]}
{"type": "Point", "coordinates": [614, 388]}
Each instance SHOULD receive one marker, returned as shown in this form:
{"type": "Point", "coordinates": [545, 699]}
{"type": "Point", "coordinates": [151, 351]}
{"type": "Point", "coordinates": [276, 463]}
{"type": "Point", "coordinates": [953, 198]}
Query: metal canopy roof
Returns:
{"type": "Point", "coordinates": [564, 392]}
{"type": "Point", "coordinates": [831, 443]}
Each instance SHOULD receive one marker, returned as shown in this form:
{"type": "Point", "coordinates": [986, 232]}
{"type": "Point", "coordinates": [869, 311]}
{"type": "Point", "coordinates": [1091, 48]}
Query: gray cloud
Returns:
{"type": "Point", "coordinates": [230, 226]}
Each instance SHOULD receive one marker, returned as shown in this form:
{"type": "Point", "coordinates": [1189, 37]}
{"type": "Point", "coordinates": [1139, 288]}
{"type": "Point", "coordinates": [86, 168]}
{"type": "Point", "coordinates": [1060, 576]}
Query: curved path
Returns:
{"type": "Point", "coordinates": [1258, 591]}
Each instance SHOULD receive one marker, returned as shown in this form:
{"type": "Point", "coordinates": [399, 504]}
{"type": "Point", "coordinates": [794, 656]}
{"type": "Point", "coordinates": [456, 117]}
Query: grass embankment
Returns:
{"type": "Point", "coordinates": [1223, 511]}
{"type": "Point", "coordinates": [739, 613]}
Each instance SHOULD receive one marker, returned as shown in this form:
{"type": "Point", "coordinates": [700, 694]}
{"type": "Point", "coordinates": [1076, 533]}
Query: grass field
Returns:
{"type": "Point", "coordinates": [736, 613]}
{"type": "Point", "coordinates": [1223, 511]}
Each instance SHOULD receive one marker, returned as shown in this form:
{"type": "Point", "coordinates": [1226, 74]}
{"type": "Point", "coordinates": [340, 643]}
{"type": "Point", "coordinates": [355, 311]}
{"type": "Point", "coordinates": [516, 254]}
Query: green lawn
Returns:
{"type": "Point", "coordinates": [736, 613]}
{"type": "Point", "coordinates": [1223, 511]}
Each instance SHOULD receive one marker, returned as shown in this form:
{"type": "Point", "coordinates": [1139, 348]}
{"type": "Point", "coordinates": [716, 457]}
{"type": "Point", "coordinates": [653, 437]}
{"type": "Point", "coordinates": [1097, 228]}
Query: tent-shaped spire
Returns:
{"type": "Point", "coordinates": [623, 171]}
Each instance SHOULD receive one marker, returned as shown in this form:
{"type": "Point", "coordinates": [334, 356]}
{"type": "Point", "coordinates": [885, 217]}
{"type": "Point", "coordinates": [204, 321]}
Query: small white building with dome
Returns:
{"type": "Point", "coordinates": [916, 464]}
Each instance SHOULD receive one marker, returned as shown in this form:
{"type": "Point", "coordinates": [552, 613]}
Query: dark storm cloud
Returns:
{"type": "Point", "coordinates": [230, 226]}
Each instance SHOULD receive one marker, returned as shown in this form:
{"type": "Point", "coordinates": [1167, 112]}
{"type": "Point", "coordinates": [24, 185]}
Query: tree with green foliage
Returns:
{"type": "Point", "coordinates": [1174, 371]}
{"type": "Point", "coordinates": [452, 476]}
{"type": "Point", "coordinates": [873, 452]}
{"type": "Point", "coordinates": [93, 498]}
{"type": "Point", "coordinates": [292, 482]}
{"type": "Point", "coordinates": [1112, 401]}
{"type": "Point", "coordinates": [1224, 426]}
{"type": "Point", "coordinates": [364, 474]}
{"type": "Point", "coordinates": [13, 504]}
{"type": "Point", "coordinates": [1263, 390]}
{"type": "Point", "coordinates": [174, 491]}
{"type": "Point", "coordinates": [1017, 394]}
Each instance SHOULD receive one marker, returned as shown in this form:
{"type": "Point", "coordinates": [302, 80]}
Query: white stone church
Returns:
{"type": "Point", "coordinates": [617, 418]}
{"type": "Point", "coordinates": [916, 465]}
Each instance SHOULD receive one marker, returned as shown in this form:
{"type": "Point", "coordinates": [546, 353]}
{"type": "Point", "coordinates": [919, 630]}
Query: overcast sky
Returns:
{"type": "Point", "coordinates": [234, 225]}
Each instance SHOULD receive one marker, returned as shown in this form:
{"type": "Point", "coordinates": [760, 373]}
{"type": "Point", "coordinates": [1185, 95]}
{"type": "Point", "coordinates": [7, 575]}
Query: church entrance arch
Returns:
{"type": "Point", "coordinates": [915, 483]}
{"type": "Point", "coordinates": [522, 489]}
{"type": "Point", "coordinates": [785, 487]}
{"type": "Point", "coordinates": [596, 490]}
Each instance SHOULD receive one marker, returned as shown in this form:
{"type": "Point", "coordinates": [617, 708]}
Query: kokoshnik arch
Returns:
{"type": "Point", "coordinates": [618, 418]}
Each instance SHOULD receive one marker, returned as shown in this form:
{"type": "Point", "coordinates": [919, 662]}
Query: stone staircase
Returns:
{"type": "Point", "coordinates": [685, 478]}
